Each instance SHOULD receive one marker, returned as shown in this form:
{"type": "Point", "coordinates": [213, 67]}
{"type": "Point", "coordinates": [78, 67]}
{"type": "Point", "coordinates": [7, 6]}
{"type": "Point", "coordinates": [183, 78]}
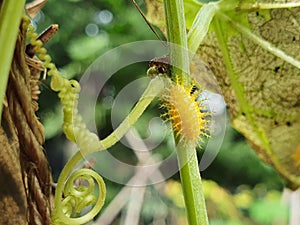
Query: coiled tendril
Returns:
{"type": "Point", "coordinates": [70, 199]}
{"type": "Point", "coordinates": [76, 198]}
{"type": "Point", "coordinates": [68, 92]}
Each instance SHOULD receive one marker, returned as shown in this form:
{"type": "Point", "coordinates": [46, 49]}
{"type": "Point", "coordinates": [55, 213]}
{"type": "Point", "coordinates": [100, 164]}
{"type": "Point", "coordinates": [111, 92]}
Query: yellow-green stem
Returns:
{"type": "Point", "coordinates": [176, 29]}
{"type": "Point", "coordinates": [153, 90]}
{"type": "Point", "coordinates": [191, 184]}
{"type": "Point", "coordinates": [186, 152]}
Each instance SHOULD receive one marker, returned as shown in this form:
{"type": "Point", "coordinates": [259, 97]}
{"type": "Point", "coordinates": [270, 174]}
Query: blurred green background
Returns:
{"type": "Point", "coordinates": [238, 187]}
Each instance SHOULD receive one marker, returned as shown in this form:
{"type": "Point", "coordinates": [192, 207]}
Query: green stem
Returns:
{"type": "Point", "coordinates": [10, 18]}
{"type": "Point", "coordinates": [153, 90]}
{"type": "Point", "coordinates": [253, 6]}
{"type": "Point", "coordinates": [176, 29]}
{"type": "Point", "coordinates": [186, 152]}
{"type": "Point", "coordinates": [191, 184]}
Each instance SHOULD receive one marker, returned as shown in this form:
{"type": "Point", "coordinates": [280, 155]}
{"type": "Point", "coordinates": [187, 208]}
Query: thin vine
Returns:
{"type": "Point", "coordinates": [180, 102]}
{"type": "Point", "coordinates": [70, 200]}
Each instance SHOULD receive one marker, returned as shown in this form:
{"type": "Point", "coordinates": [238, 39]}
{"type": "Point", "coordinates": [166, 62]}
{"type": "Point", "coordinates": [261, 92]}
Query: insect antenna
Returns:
{"type": "Point", "coordinates": [148, 22]}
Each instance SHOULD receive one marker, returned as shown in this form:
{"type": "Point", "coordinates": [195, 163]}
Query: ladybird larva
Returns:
{"type": "Point", "coordinates": [188, 116]}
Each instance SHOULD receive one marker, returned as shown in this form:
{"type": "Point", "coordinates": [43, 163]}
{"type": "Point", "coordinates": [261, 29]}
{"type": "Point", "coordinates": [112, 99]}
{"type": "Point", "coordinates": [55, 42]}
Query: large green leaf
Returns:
{"type": "Point", "coordinates": [254, 52]}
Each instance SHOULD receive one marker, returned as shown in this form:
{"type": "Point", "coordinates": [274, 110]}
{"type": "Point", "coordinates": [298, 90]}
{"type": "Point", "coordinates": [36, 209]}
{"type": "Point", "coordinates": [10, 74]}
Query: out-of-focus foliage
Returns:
{"type": "Point", "coordinates": [237, 164]}
{"type": "Point", "coordinates": [87, 30]}
{"type": "Point", "coordinates": [246, 207]}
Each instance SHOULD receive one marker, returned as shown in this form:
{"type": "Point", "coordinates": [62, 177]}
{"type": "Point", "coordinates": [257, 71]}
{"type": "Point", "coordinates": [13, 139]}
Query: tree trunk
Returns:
{"type": "Point", "coordinates": [25, 176]}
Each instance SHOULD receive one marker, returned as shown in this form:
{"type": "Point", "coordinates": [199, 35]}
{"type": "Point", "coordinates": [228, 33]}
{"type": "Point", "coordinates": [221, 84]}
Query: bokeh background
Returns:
{"type": "Point", "coordinates": [239, 188]}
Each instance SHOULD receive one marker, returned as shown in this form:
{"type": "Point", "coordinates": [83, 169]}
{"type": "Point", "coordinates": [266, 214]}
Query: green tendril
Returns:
{"type": "Point", "coordinates": [80, 196]}
{"type": "Point", "coordinates": [69, 198]}
{"type": "Point", "coordinates": [68, 92]}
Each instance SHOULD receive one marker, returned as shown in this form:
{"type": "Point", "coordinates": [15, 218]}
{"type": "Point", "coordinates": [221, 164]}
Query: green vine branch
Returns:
{"type": "Point", "coordinates": [186, 151]}
{"type": "Point", "coordinates": [70, 200]}
{"type": "Point", "coordinates": [154, 89]}
{"type": "Point", "coordinates": [176, 30]}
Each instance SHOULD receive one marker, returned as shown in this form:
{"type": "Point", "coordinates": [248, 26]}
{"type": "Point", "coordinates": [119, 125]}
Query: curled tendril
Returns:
{"type": "Point", "coordinates": [75, 198]}
{"type": "Point", "coordinates": [68, 92]}
{"type": "Point", "coordinates": [70, 199]}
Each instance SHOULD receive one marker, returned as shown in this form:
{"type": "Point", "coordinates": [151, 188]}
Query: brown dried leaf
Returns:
{"type": "Point", "coordinates": [34, 7]}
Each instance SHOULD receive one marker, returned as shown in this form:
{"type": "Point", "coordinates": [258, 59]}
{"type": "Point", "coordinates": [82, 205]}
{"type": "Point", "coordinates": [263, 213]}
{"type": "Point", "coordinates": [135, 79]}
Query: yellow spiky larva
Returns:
{"type": "Point", "coordinates": [187, 114]}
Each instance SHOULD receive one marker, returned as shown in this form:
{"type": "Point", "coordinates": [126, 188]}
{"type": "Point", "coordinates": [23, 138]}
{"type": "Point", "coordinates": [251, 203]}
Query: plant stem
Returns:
{"type": "Point", "coordinates": [251, 6]}
{"type": "Point", "coordinates": [176, 29]}
{"type": "Point", "coordinates": [186, 152]}
{"type": "Point", "coordinates": [153, 90]}
{"type": "Point", "coordinates": [10, 18]}
{"type": "Point", "coordinates": [191, 184]}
